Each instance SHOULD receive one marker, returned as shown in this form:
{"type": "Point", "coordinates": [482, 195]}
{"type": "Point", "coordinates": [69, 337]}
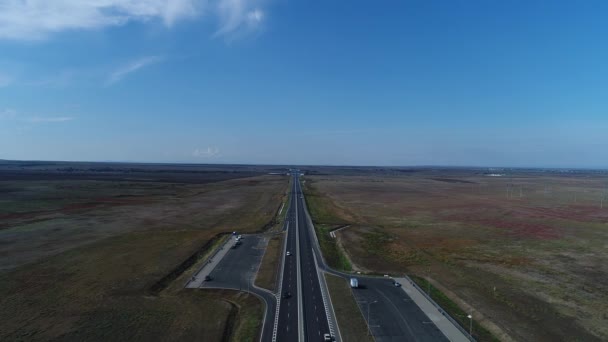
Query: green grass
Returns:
{"type": "Point", "coordinates": [248, 322]}
{"type": "Point", "coordinates": [331, 251]}
{"type": "Point", "coordinates": [321, 212]}
{"type": "Point", "coordinates": [479, 333]}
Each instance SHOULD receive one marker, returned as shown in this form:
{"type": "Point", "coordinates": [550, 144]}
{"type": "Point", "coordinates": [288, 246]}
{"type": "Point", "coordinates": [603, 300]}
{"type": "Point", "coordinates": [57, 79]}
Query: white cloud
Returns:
{"type": "Point", "coordinates": [210, 152]}
{"type": "Point", "coordinates": [50, 119]}
{"type": "Point", "coordinates": [132, 67]}
{"type": "Point", "coordinates": [37, 19]}
{"type": "Point", "coordinates": [11, 114]}
{"type": "Point", "coordinates": [238, 16]}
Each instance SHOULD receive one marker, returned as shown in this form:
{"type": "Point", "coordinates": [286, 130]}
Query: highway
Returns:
{"type": "Point", "coordinates": [303, 305]}
{"type": "Point", "coordinates": [288, 328]}
{"type": "Point", "coordinates": [315, 318]}
{"type": "Point", "coordinates": [305, 309]}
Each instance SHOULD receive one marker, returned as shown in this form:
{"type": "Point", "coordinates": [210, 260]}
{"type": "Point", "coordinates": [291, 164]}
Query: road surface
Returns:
{"type": "Point", "coordinates": [237, 270]}
{"type": "Point", "coordinates": [305, 309]}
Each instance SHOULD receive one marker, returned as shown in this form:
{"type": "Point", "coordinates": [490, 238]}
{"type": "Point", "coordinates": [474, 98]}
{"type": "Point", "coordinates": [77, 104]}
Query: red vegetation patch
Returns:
{"type": "Point", "coordinates": [574, 213]}
{"type": "Point", "coordinates": [513, 228]}
{"type": "Point", "coordinates": [101, 202]}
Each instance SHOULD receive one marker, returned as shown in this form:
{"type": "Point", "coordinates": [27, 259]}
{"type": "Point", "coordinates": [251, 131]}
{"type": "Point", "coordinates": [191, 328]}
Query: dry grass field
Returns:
{"type": "Point", "coordinates": [82, 259]}
{"type": "Point", "coordinates": [526, 252]}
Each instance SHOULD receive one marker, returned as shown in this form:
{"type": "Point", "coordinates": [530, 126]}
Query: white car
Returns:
{"type": "Point", "coordinates": [288, 253]}
{"type": "Point", "coordinates": [327, 337]}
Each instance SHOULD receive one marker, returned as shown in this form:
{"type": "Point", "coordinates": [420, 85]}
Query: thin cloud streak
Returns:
{"type": "Point", "coordinates": [238, 17]}
{"type": "Point", "coordinates": [50, 119]}
{"type": "Point", "coordinates": [132, 67]}
{"type": "Point", "coordinates": [39, 19]}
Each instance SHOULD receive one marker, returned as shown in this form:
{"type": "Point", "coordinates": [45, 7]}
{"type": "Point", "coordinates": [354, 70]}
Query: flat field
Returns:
{"type": "Point", "coordinates": [525, 251]}
{"type": "Point", "coordinates": [83, 259]}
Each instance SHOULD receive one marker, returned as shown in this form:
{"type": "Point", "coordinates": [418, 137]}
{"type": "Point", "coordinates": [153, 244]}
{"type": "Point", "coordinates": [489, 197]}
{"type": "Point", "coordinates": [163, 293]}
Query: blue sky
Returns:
{"type": "Point", "coordinates": [487, 83]}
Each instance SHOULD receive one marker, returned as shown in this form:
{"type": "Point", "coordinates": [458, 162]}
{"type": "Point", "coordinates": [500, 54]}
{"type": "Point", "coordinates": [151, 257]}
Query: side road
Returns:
{"type": "Point", "coordinates": [236, 268]}
{"type": "Point", "coordinates": [199, 277]}
{"type": "Point", "coordinates": [449, 329]}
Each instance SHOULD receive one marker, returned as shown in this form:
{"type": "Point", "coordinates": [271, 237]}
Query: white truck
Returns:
{"type": "Point", "coordinates": [354, 283]}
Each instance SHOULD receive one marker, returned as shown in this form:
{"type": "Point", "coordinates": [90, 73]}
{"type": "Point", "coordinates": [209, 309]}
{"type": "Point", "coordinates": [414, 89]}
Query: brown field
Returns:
{"type": "Point", "coordinates": [527, 253]}
{"type": "Point", "coordinates": [82, 259]}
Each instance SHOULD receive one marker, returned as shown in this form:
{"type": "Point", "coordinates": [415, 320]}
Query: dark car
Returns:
{"type": "Point", "coordinates": [208, 278]}
{"type": "Point", "coordinates": [286, 295]}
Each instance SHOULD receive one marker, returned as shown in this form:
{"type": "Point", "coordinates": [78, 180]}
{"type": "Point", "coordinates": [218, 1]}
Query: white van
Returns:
{"type": "Point", "coordinates": [354, 283]}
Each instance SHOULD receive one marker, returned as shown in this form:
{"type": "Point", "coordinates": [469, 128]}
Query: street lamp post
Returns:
{"type": "Point", "coordinates": [470, 324]}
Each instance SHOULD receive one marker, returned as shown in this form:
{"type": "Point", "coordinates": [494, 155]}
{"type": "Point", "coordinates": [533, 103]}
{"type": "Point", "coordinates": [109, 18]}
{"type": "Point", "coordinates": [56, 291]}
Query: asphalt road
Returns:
{"type": "Point", "coordinates": [315, 318]}
{"type": "Point", "coordinates": [311, 310]}
{"type": "Point", "coordinates": [237, 270]}
{"type": "Point", "coordinates": [393, 316]}
{"type": "Point", "coordinates": [287, 328]}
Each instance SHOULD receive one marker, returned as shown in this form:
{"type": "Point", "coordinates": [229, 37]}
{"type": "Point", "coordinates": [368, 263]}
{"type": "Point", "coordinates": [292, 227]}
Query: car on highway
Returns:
{"type": "Point", "coordinates": [354, 283]}
{"type": "Point", "coordinates": [288, 253]}
{"type": "Point", "coordinates": [397, 284]}
{"type": "Point", "coordinates": [327, 337]}
{"type": "Point", "coordinates": [208, 278]}
{"type": "Point", "coordinates": [287, 295]}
